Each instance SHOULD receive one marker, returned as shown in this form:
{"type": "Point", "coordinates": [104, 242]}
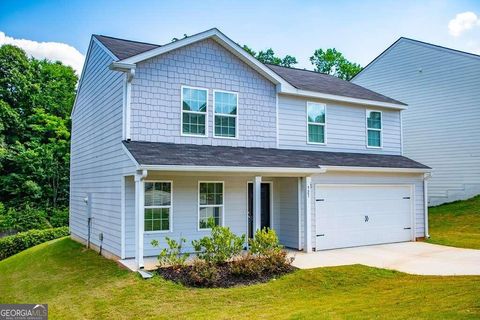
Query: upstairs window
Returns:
{"type": "Point", "coordinates": [226, 109]}
{"type": "Point", "coordinates": [158, 205]}
{"type": "Point", "coordinates": [210, 204]}
{"type": "Point", "coordinates": [194, 111]}
{"type": "Point", "coordinates": [374, 129]}
{"type": "Point", "coordinates": [316, 116]}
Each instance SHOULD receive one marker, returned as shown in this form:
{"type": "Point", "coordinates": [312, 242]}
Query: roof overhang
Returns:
{"type": "Point", "coordinates": [374, 169]}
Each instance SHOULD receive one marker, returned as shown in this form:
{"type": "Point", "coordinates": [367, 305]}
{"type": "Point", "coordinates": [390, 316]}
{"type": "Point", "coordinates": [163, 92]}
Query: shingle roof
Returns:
{"type": "Point", "coordinates": [324, 83]}
{"type": "Point", "coordinates": [122, 48]}
{"type": "Point", "coordinates": [156, 153]}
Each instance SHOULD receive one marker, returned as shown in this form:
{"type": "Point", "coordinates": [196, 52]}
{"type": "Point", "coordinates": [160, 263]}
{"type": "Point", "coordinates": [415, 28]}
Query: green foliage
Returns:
{"type": "Point", "coordinates": [265, 242]}
{"type": "Point", "coordinates": [255, 266]}
{"type": "Point", "coordinates": [25, 219]}
{"type": "Point", "coordinates": [11, 245]}
{"type": "Point", "coordinates": [203, 273]}
{"type": "Point", "coordinates": [59, 217]}
{"type": "Point", "coordinates": [173, 256]}
{"type": "Point", "coordinates": [247, 266]}
{"type": "Point", "coordinates": [334, 63]}
{"type": "Point", "coordinates": [268, 56]}
{"type": "Point", "coordinates": [221, 246]}
{"type": "Point", "coordinates": [36, 97]}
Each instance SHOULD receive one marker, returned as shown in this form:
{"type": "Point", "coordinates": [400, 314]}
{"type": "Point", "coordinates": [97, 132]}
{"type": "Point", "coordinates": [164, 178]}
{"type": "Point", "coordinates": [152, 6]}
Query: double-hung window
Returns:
{"type": "Point", "coordinates": [210, 204]}
{"type": "Point", "coordinates": [158, 205]}
{"type": "Point", "coordinates": [316, 118]}
{"type": "Point", "coordinates": [374, 129]}
{"type": "Point", "coordinates": [226, 114]}
{"type": "Point", "coordinates": [194, 111]}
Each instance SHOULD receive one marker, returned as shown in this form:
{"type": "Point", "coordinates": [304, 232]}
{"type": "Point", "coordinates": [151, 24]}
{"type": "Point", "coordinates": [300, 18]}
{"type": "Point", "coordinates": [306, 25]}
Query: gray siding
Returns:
{"type": "Point", "coordinates": [374, 178]}
{"type": "Point", "coordinates": [286, 219]}
{"type": "Point", "coordinates": [156, 88]}
{"type": "Point", "coordinates": [129, 217]}
{"type": "Point", "coordinates": [441, 126]}
{"type": "Point", "coordinates": [345, 127]}
{"type": "Point", "coordinates": [97, 157]}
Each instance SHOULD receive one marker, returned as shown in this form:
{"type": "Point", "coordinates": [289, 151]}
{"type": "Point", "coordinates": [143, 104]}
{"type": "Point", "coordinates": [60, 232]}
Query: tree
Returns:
{"type": "Point", "coordinates": [36, 97]}
{"type": "Point", "coordinates": [334, 63]}
{"type": "Point", "coordinates": [269, 57]}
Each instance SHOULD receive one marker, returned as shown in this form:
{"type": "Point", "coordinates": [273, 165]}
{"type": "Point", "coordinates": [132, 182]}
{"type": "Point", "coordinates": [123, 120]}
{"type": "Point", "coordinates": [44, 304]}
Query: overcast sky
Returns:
{"type": "Point", "coordinates": [361, 29]}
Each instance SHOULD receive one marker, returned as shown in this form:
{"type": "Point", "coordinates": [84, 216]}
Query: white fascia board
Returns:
{"type": "Point", "coordinates": [375, 169]}
{"type": "Point", "coordinates": [121, 66]}
{"type": "Point", "coordinates": [219, 37]}
{"type": "Point", "coordinates": [233, 169]}
{"type": "Point", "coordinates": [326, 96]}
{"type": "Point", "coordinates": [135, 162]}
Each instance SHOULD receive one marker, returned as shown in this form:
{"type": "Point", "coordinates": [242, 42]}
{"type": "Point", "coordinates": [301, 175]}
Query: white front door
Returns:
{"type": "Point", "coordinates": [357, 215]}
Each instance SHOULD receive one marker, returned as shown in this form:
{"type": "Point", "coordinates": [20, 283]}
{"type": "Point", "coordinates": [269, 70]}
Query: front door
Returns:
{"type": "Point", "coordinates": [265, 197]}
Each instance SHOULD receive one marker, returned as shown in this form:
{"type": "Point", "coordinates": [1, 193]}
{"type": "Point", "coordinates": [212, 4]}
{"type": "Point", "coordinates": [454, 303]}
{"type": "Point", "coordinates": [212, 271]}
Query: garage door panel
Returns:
{"type": "Point", "coordinates": [362, 215]}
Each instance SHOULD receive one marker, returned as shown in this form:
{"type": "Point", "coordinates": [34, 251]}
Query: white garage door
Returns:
{"type": "Point", "coordinates": [357, 215]}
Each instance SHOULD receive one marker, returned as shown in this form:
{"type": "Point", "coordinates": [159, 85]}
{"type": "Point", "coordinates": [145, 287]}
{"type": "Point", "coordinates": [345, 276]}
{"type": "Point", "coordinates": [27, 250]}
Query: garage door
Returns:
{"type": "Point", "coordinates": [357, 215]}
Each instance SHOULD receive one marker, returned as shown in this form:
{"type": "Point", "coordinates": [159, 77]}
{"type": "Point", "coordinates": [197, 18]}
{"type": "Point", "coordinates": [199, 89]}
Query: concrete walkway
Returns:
{"type": "Point", "coordinates": [411, 257]}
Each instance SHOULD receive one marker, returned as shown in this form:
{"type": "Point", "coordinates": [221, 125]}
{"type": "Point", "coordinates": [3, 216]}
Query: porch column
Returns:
{"type": "Point", "coordinates": [257, 205]}
{"type": "Point", "coordinates": [307, 183]}
{"type": "Point", "coordinates": [139, 216]}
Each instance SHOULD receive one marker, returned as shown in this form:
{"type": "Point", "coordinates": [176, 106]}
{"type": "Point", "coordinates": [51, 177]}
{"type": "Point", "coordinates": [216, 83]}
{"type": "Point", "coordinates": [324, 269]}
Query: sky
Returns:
{"type": "Point", "coordinates": [360, 29]}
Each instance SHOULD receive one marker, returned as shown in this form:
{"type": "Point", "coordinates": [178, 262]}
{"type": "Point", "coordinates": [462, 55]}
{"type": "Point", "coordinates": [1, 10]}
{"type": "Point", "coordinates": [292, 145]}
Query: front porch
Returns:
{"type": "Point", "coordinates": [159, 204]}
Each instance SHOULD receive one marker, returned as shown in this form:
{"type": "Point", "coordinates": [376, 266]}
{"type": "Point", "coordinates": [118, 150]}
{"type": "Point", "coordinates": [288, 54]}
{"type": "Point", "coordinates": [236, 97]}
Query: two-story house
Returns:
{"type": "Point", "coordinates": [165, 138]}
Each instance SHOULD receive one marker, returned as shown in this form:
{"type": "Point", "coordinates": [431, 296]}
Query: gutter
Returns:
{"type": "Point", "coordinates": [232, 169]}
{"type": "Point", "coordinates": [375, 169]}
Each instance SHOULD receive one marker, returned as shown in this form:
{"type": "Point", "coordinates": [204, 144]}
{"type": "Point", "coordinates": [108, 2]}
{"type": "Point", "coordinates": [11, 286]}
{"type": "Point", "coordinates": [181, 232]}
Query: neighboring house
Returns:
{"type": "Point", "coordinates": [442, 123]}
{"type": "Point", "coordinates": [166, 137]}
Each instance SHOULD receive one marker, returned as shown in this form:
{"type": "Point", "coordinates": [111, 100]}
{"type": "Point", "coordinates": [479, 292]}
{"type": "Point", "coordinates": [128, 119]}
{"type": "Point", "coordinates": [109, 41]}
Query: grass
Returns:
{"type": "Point", "coordinates": [79, 284]}
{"type": "Point", "coordinates": [456, 224]}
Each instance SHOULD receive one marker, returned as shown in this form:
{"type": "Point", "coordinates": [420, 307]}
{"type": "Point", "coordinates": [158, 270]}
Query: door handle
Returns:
{"type": "Point", "coordinates": [367, 218]}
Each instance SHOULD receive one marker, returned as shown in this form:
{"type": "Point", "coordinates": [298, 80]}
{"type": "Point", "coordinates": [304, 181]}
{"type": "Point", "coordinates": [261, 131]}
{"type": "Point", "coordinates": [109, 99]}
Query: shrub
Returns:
{"type": "Point", "coordinates": [11, 245]}
{"type": "Point", "coordinates": [204, 274]}
{"type": "Point", "coordinates": [59, 217]}
{"type": "Point", "coordinates": [221, 246]}
{"type": "Point", "coordinates": [172, 256]}
{"type": "Point", "coordinates": [247, 266]}
{"type": "Point", "coordinates": [276, 262]}
{"type": "Point", "coordinates": [24, 219]}
{"type": "Point", "coordinates": [265, 242]}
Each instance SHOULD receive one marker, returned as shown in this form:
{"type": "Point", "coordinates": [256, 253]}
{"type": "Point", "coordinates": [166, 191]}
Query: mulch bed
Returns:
{"type": "Point", "coordinates": [225, 278]}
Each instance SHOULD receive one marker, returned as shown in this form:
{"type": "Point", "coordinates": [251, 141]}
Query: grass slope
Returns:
{"type": "Point", "coordinates": [79, 284]}
{"type": "Point", "coordinates": [456, 224]}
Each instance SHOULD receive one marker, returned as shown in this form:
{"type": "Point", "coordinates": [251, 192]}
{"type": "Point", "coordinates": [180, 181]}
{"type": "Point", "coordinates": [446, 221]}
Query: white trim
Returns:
{"type": "Point", "coordinates": [425, 204]}
{"type": "Point", "coordinates": [401, 133]}
{"type": "Point", "coordinates": [374, 169]}
{"type": "Point", "coordinates": [139, 216]}
{"type": "Point", "coordinates": [308, 214]}
{"type": "Point", "coordinates": [324, 124]}
{"type": "Point", "coordinates": [225, 115]}
{"type": "Point", "coordinates": [137, 165]}
{"type": "Point", "coordinates": [299, 212]}
{"type": "Point", "coordinates": [367, 112]}
{"type": "Point", "coordinates": [271, 202]}
{"type": "Point", "coordinates": [233, 169]}
{"type": "Point", "coordinates": [170, 218]}
{"type": "Point", "coordinates": [194, 112]}
{"type": "Point", "coordinates": [222, 221]}
{"type": "Point", "coordinates": [122, 217]}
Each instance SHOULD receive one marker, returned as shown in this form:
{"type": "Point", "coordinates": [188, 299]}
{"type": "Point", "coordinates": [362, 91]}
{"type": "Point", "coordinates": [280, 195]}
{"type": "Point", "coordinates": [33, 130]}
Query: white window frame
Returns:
{"type": "Point", "coordinates": [170, 216]}
{"type": "Point", "coordinates": [194, 112]}
{"type": "Point", "coordinates": [367, 112]}
{"type": "Point", "coordinates": [318, 124]}
{"type": "Point", "coordinates": [222, 220]}
{"type": "Point", "coordinates": [225, 115]}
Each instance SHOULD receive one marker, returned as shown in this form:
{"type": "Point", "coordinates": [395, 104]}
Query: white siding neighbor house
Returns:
{"type": "Point", "coordinates": [165, 138]}
{"type": "Point", "coordinates": [441, 126]}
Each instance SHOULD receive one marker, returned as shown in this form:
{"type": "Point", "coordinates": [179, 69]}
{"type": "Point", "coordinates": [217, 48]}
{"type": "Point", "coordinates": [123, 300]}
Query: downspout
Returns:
{"type": "Point", "coordinates": [139, 216]}
{"type": "Point", "coordinates": [426, 176]}
{"type": "Point", "coordinates": [128, 99]}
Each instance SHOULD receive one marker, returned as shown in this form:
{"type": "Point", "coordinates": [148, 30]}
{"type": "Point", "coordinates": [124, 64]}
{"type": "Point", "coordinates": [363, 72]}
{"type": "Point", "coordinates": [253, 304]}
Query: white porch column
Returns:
{"type": "Point", "coordinates": [257, 205]}
{"type": "Point", "coordinates": [139, 216]}
{"type": "Point", "coordinates": [307, 185]}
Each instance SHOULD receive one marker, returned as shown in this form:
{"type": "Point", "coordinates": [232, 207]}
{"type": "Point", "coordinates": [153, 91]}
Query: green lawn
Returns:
{"type": "Point", "coordinates": [80, 284]}
{"type": "Point", "coordinates": [456, 224]}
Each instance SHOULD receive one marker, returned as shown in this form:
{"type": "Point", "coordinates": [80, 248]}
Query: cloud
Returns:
{"type": "Point", "coordinates": [55, 51]}
{"type": "Point", "coordinates": [463, 21]}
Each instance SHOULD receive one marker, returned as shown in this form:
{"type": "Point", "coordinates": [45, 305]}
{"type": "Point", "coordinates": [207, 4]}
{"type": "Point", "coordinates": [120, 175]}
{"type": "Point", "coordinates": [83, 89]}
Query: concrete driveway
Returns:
{"type": "Point", "coordinates": [411, 257]}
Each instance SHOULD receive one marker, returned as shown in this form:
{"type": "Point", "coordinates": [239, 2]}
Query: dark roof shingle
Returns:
{"type": "Point", "coordinates": [122, 48]}
{"type": "Point", "coordinates": [324, 83]}
{"type": "Point", "coordinates": [157, 153]}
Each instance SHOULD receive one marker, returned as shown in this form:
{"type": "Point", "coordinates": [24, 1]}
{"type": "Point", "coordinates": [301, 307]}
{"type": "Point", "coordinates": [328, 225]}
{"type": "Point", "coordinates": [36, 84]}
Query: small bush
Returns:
{"type": "Point", "coordinates": [265, 242]}
{"type": "Point", "coordinates": [203, 274]}
{"type": "Point", "coordinates": [172, 256]}
{"type": "Point", "coordinates": [24, 219]}
{"type": "Point", "coordinates": [11, 245]}
{"type": "Point", "coordinates": [220, 247]}
{"type": "Point", "coordinates": [247, 266]}
{"type": "Point", "coordinates": [59, 217]}
{"type": "Point", "coordinates": [276, 262]}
